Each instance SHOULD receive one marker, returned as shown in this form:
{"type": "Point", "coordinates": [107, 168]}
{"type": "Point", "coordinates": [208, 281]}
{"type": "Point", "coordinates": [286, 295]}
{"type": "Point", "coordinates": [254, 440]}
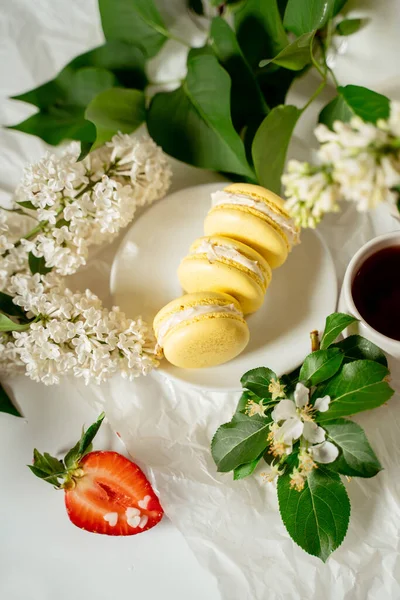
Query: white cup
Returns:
{"type": "Point", "coordinates": [346, 302]}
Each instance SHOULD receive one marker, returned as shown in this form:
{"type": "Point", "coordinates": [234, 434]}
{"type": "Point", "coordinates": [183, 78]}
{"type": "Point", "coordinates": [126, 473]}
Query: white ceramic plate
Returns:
{"type": "Point", "coordinates": [302, 293]}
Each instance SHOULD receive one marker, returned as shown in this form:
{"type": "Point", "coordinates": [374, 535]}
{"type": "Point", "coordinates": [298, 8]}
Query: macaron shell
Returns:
{"type": "Point", "coordinates": [207, 341]}
{"type": "Point", "coordinates": [243, 225]}
{"type": "Point", "coordinates": [197, 274]}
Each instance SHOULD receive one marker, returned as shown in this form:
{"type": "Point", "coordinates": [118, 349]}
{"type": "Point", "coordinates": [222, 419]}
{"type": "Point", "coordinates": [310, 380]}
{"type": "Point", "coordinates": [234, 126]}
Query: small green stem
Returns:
{"type": "Point", "coordinates": [315, 94]}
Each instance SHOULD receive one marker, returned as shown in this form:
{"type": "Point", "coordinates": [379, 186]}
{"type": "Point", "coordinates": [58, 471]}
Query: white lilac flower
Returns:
{"type": "Point", "coordinates": [79, 204]}
{"type": "Point", "coordinates": [74, 334]}
{"type": "Point", "coordinates": [358, 162]}
{"type": "Point", "coordinates": [310, 193]}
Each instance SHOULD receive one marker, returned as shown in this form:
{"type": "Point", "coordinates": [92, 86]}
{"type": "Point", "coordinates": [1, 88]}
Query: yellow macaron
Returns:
{"type": "Point", "coordinates": [255, 216]}
{"type": "Point", "coordinates": [220, 264]}
{"type": "Point", "coordinates": [199, 330]}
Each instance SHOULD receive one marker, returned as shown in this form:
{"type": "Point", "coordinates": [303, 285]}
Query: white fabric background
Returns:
{"type": "Point", "coordinates": [233, 528]}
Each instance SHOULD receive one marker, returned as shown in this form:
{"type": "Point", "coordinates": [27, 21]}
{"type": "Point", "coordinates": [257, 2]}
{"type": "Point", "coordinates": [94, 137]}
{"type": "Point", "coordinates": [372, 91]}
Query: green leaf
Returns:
{"type": "Point", "coordinates": [64, 118]}
{"type": "Point", "coordinates": [8, 307]}
{"type": "Point", "coordinates": [193, 123]}
{"type": "Point", "coordinates": [308, 15]}
{"type": "Point", "coordinates": [244, 399]}
{"type": "Point", "coordinates": [356, 458]}
{"type": "Point", "coordinates": [350, 26]}
{"type": "Point", "coordinates": [247, 469]}
{"type": "Point", "coordinates": [38, 264]}
{"type": "Point", "coordinates": [316, 518]}
{"type": "Point", "coordinates": [320, 366]}
{"type": "Point", "coordinates": [271, 143]}
{"type": "Point", "coordinates": [196, 6]}
{"type": "Point", "coordinates": [89, 435]}
{"type": "Point", "coordinates": [258, 381]}
{"type": "Point", "coordinates": [6, 404]}
{"type": "Point", "coordinates": [7, 324]}
{"type": "Point", "coordinates": [334, 325]}
{"type": "Point", "coordinates": [290, 381]}
{"type": "Point", "coordinates": [47, 467]}
{"type": "Point", "coordinates": [275, 83]}
{"type": "Point", "coordinates": [338, 5]}
{"type": "Point", "coordinates": [260, 31]}
{"type": "Point", "coordinates": [114, 110]}
{"type": "Point", "coordinates": [296, 55]}
{"type": "Point", "coordinates": [357, 387]}
{"type": "Point", "coordinates": [356, 347]}
{"type": "Point", "coordinates": [238, 442]}
{"type": "Point", "coordinates": [246, 107]}
{"type": "Point", "coordinates": [135, 21]}
{"type": "Point", "coordinates": [354, 100]}
{"type": "Point", "coordinates": [27, 204]}
{"type": "Point", "coordinates": [125, 61]}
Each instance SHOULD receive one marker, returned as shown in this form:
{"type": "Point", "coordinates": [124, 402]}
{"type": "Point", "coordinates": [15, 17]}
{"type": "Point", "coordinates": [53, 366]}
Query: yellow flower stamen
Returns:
{"type": "Point", "coordinates": [276, 389]}
{"type": "Point", "coordinates": [254, 408]}
{"type": "Point", "coordinates": [297, 480]}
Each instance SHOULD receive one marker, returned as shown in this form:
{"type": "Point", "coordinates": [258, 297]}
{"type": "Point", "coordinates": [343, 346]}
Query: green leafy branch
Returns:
{"type": "Point", "coordinates": [341, 379]}
{"type": "Point", "coordinates": [228, 113]}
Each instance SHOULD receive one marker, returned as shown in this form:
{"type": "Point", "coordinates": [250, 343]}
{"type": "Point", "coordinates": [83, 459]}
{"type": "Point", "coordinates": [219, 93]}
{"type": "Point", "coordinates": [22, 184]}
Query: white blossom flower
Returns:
{"type": "Point", "coordinates": [79, 204]}
{"type": "Point", "coordinates": [271, 472]}
{"type": "Point", "coordinates": [310, 193]}
{"type": "Point", "coordinates": [294, 419]}
{"type": "Point", "coordinates": [358, 162]}
{"type": "Point", "coordinates": [324, 452]}
{"type": "Point", "coordinates": [74, 333]}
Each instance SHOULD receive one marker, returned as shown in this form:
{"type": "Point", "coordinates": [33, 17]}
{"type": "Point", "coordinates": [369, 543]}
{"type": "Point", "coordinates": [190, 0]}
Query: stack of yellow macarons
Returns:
{"type": "Point", "coordinates": [226, 275]}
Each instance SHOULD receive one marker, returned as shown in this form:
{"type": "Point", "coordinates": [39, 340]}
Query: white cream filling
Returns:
{"type": "Point", "coordinates": [286, 223]}
{"type": "Point", "coordinates": [215, 251]}
{"type": "Point", "coordinates": [189, 313]}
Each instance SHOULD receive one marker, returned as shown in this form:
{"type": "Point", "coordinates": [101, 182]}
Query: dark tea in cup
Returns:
{"type": "Point", "coordinates": [376, 291]}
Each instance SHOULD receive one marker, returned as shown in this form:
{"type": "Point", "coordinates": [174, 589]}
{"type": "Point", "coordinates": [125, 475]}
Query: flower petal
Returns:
{"type": "Point", "coordinates": [313, 433]}
{"type": "Point", "coordinates": [322, 404]}
{"type": "Point", "coordinates": [324, 453]}
{"type": "Point", "coordinates": [301, 395]}
{"type": "Point", "coordinates": [290, 431]}
{"type": "Point", "coordinates": [285, 409]}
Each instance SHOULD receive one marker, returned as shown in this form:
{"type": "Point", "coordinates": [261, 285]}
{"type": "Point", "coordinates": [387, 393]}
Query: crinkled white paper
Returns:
{"type": "Point", "coordinates": [234, 528]}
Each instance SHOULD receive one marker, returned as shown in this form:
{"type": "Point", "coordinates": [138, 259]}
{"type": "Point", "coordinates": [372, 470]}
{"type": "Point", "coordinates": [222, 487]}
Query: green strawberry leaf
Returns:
{"type": "Point", "coordinates": [89, 435]}
{"type": "Point", "coordinates": [334, 325]}
{"type": "Point", "coordinates": [258, 381]}
{"type": "Point", "coordinates": [246, 469]}
{"type": "Point", "coordinates": [240, 441]}
{"type": "Point", "coordinates": [251, 106]}
{"type": "Point", "coordinates": [114, 110]}
{"type": "Point", "coordinates": [354, 100]}
{"type": "Point", "coordinates": [295, 56]}
{"type": "Point", "coordinates": [308, 15]}
{"type": "Point", "coordinates": [317, 517]}
{"type": "Point", "coordinates": [260, 31]}
{"type": "Point", "coordinates": [6, 404]}
{"type": "Point", "coordinates": [193, 123]}
{"type": "Point", "coordinates": [48, 468]}
{"type": "Point", "coordinates": [270, 145]}
{"type": "Point", "coordinates": [356, 458]}
{"type": "Point", "coordinates": [358, 386]}
{"type": "Point", "coordinates": [320, 365]}
{"type": "Point", "coordinates": [135, 21]}
{"type": "Point", "coordinates": [356, 347]}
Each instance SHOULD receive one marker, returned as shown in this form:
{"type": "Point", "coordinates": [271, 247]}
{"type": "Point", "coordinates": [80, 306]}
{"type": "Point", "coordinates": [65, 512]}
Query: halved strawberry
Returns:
{"type": "Point", "coordinates": [104, 491]}
{"type": "Point", "coordinates": [112, 496]}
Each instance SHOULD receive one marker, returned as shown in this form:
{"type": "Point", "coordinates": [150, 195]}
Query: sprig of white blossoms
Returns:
{"type": "Point", "coordinates": [358, 162]}
{"type": "Point", "coordinates": [293, 420]}
{"type": "Point", "coordinates": [67, 207]}
{"type": "Point", "coordinates": [72, 333]}
{"type": "Point", "coordinates": [78, 204]}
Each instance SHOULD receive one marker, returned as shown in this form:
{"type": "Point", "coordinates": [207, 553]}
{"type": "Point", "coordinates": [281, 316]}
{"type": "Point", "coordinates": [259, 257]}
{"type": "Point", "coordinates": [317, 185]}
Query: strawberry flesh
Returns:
{"type": "Point", "coordinates": [111, 485]}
